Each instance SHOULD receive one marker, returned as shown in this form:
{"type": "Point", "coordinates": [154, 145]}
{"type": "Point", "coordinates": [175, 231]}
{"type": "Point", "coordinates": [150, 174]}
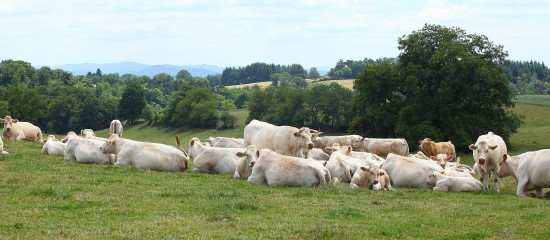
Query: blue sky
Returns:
{"type": "Point", "coordinates": [314, 33]}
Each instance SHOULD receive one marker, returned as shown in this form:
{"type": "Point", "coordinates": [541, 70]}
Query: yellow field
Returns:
{"type": "Point", "coordinates": [347, 83]}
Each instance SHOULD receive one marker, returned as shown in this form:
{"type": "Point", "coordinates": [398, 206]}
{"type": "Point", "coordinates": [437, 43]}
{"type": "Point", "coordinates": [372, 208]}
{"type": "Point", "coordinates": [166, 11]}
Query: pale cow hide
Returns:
{"type": "Point", "coordinates": [444, 183]}
{"type": "Point", "coordinates": [146, 155]}
{"type": "Point", "coordinates": [226, 142]}
{"type": "Point", "coordinates": [14, 130]}
{"type": "Point", "coordinates": [284, 140]}
{"type": "Point", "coordinates": [382, 146]}
{"type": "Point", "coordinates": [409, 171]}
{"type": "Point", "coordinates": [276, 169]}
{"type": "Point", "coordinates": [115, 128]}
{"type": "Point", "coordinates": [531, 170]}
{"type": "Point", "coordinates": [488, 151]}
{"type": "Point", "coordinates": [86, 151]}
{"type": "Point", "coordinates": [52, 146]}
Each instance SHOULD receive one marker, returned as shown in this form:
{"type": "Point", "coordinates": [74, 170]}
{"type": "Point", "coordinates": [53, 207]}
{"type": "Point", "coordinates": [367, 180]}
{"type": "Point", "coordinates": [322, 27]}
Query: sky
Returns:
{"type": "Point", "coordinates": [313, 33]}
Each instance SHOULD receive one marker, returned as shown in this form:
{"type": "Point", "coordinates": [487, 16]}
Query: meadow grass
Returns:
{"type": "Point", "coordinates": [46, 197]}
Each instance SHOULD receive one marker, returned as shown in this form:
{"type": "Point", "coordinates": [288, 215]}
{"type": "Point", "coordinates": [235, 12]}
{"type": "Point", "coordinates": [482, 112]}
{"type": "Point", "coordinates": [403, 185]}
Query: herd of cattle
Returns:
{"type": "Point", "coordinates": [289, 156]}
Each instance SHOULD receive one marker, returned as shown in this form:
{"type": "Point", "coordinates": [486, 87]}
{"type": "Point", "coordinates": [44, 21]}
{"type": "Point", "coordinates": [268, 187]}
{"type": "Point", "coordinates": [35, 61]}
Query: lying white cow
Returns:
{"type": "Point", "coordinates": [2, 152]}
{"type": "Point", "coordinates": [115, 128]}
{"type": "Point", "coordinates": [53, 146]}
{"type": "Point", "coordinates": [285, 140]}
{"type": "Point", "coordinates": [446, 183]}
{"type": "Point", "coordinates": [382, 146]}
{"type": "Point", "coordinates": [247, 159]}
{"type": "Point", "coordinates": [531, 170]}
{"type": "Point", "coordinates": [226, 142]}
{"type": "Point", "coordinates": [90, 134]}
{"type": "Point", "coordinates": [488, 151]}
{"type": "Point", "coordinates": [66, 138]}
{"type": "Point", "coordinates": [145, 155]}
{"type": "Point", "coordinates": [281, 170]}
{"type": "Point", "coordinates": [329, 141]}
{"type": "Point", "coordinates": [318, 154]}
{"type": "Point", "coordinates": [86, 151]}
{"type": "Point", "coordinates": [371, 177]}
{"type": "Point", "coordinates": [342, 166]}
{"type": "Point", "coordinates": [16, 130]}
{"type": "Point", "coordinates": [409, 171]}
{"type": "Point", "coordinates": [215, 160]}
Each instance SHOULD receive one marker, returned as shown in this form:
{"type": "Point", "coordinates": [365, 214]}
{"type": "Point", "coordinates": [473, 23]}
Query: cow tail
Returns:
{"type": "Point", "coordinates": [178, 143]}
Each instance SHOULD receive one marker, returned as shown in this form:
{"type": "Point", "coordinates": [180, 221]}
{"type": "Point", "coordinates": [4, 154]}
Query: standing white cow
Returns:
{"type": "Point", "coordinates": [86, 151]}
{"type": "Point", "coordinates": [409, 171]}
{"type": "Point", "coordinates": [284, 140]}
{"type": "Point", "coordinates": [145, 155]}
{"type": "Point", "coordinates": [16, 130]}
{"type": "Point", "coordinates": [382, 146]}
{"type": "Point", "coordinates": [531, 170]}
{"type": "Point", "coordinates": [53, 146]}
{"type": "Point", "coordinates": [281, 170]}
{"type": "Point", "coordinates": [115, 128]}
{"type": "Point", "coordinates": [488, 151]}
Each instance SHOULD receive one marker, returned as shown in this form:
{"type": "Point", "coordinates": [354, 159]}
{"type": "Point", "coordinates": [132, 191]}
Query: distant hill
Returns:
{"type": "Point", "coordinates": [140, 69]}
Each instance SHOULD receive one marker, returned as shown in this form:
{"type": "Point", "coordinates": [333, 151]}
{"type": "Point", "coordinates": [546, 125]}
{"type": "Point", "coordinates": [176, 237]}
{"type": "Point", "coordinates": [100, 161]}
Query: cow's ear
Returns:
{"type": "Point", "coordinates": [493, 147]}
{"type": "Point", "coordinates": [381, 173]}
{"type": "Point", "coordinates": [363, 168]}
{"type": "Point", "coordinates": [473, 147]}
{"type": "Point", "coordinates": [240, 154]}
{"type": "Point", "coordinates": [504, 157]}
{"type": "Point", "coordinates": [433, 158]}
{"type": "Point", "coordinates": [328, 149]}
{"type": "Point", "coordinates": [15, 121]}
{"type": "Point", "coordinates": [450, 157]}
{"type": "Point", "coordinates": [257, 153]}
{"type": "Point", "coordinates": [297, 133]}
{"type": "Point", "coordinates": [192, 142]}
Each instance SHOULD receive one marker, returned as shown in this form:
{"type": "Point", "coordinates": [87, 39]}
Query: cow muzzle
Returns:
{"type": "Point", "coordinates": [309, 146]}
{"type": "Point", "coordinates": [8, 129]}
{"type": "Point", "coordinates": [442, 165]}
{"type": "Point", "coordinates": [481, 161]}
{"type": "Point", "coordinates": [375, 181]}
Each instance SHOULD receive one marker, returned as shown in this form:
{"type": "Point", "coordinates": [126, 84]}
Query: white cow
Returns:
{"type": "Point", "coordinates": [409, 171]}
{"type": "Point", "coordinates": [90, 134]}
{"type": "Point", "coordinates": [196, 147]}
{"type": "Point", "coordinates": [371, 177]}
{"type": "Point", "coordinates": [328, 141]}
{"type": "Point", "coordinates": [86, 151]}
{"type": "Point", "coordinates": [488, 151]}
{"type": "Point", "coordinates": [216, 160]}
{"type": "Point", "coordinates": [446, 183]}
{"type": "Point", "coordinates": [342, 166]}
{"type": "Point", "coordinates": [66, 138]}
{"type": "Point", "coordinates": [318, 154]}
{"type": "Point", "coordinates": [285, 140]}
{"type": "Point", "coordinates": [226, 142]}
{"type": "Point", "coordinates": [53, 146]}
{"type": "Point", "coordinates": [281, 170]}
{"type": "Point", "coordinates": [382, 146]}
{"type": "Point", "coordinates": [16, 130]}
{"type": "Point", "coordinates": [247, 159]}
{"type": "Point", "coordinates": [531, 170]}
{"type": "Point", "coordinates": [2, 152]}
{"type": "Point", "coordinates": [145, 155]}
{"type": "Point", "coordinates": [115, 128]}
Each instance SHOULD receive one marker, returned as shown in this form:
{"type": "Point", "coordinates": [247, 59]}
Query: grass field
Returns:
{"type": "Point", "coordinates": [45, 197]}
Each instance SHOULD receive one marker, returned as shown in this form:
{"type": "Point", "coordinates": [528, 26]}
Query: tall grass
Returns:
{"type": "Point", "coordinates": [46, 197]}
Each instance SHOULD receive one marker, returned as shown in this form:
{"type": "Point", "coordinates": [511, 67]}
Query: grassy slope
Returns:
{"type": "Point", "coordinates": [47, 197]}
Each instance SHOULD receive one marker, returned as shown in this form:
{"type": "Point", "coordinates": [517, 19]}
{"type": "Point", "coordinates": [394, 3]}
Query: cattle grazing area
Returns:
{"type": "Point", "coordinates": [44, 196]}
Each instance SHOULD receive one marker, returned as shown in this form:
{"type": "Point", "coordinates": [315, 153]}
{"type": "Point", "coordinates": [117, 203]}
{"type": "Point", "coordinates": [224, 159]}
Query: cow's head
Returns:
{"type": "Point", "coordinates": [247, 160]}
{"type": "Point", "coordinates": [432, 178]}
{"type": "Point", "coordinates": [482, 151]}
{"type": "Point", "coordinates": [110, 145]}
{"type": "Point", "coordinates": [69, 135]}
{"type": "Point", "coordinates": [304, 136]}
{"type": "Point", "coordinates": [505, 169]}
{"type": "Point", "coordinates": [87, 133]}
{"type": "Point", "coordinates": [358, 142]}
{"type": "Point", "coordinates": [195, 147]}
{"type": "Point", "coordinates": [442, 158]}
{"type": "Point", "coordinates": [8, 123]}
{"type": "Point", "coordinates": [369, 177]}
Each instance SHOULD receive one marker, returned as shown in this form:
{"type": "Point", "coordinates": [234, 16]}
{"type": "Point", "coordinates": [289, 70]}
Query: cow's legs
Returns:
{"type": "Point", "coordinates": [495, 182]}
{"type": "Point", "coordinates": [483, 179]}
{"type": "Point", "coordinates": [522, 182]}
{"type": "Point", "coordinates": [540, 193]}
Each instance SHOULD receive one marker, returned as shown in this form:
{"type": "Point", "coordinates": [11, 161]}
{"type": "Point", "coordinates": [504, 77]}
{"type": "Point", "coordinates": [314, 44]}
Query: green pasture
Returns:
{"type": "Point", "coordinates": [46, 197]}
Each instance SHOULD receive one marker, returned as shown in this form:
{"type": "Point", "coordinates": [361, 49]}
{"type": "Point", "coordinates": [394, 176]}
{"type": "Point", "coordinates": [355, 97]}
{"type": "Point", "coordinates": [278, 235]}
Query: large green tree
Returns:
{"type": "Point", "coordinates": [446, 84]}
{"type": "Point", "coordinates": [132, 102]}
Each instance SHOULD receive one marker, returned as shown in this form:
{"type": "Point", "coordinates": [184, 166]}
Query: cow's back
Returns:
{"type": "Point", "coordinates": [536, 167]}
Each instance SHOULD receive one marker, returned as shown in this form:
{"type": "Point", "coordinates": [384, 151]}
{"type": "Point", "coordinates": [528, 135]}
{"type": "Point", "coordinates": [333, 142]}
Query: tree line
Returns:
{"type": "Point", "coordinates": [445, 84]}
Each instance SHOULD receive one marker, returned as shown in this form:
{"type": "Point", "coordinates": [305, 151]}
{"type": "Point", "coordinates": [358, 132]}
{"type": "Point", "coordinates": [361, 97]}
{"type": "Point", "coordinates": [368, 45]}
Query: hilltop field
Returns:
{"type": "Point", "coordinates": [46, 197]}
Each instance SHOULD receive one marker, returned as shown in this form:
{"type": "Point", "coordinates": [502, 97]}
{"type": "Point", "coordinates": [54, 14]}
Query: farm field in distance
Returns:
{"type": "Point", "coordinates": [45, 197]}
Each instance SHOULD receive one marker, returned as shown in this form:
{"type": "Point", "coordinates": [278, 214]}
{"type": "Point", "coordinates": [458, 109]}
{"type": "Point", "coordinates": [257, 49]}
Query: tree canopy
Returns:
{"type": "Point", "coordinates": [446, 85]}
